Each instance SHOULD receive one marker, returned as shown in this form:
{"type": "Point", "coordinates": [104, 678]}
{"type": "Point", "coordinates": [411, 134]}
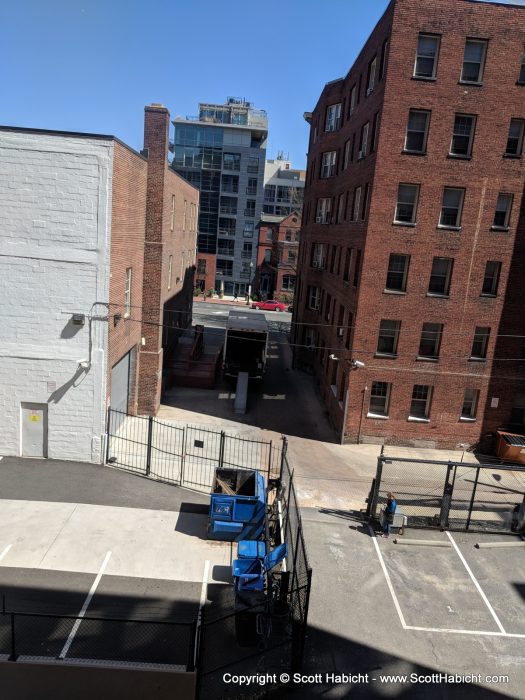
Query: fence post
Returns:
{"type": "Point", "coordinates": [269, 463]}
{"type": "Point", "coordinates": [221, 449]}
{"type": "Point", "coordinates": [377, 485]}
{"type": "Point", "coordinates": [13, 648]}
{"type": "Point", "coordinates": [148, 449]}
{"type": "Point", "coordinates": [471, 504]}
{"type": "Point", "coordinates": [108, 431]}
{"type": "Point", "coordinates": [283, 456]}
{"type": "Point", "coordinates": [182, 456]}
{"type": "Point", "coordinates": [446, 499]}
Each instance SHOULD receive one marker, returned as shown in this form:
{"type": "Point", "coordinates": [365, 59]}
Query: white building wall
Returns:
{"type": "Point", "coordinates": [55, 213]}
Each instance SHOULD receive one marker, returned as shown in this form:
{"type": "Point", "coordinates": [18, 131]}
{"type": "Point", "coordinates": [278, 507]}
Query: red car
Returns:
{"type": "Point", "coordinates": [269, 305]}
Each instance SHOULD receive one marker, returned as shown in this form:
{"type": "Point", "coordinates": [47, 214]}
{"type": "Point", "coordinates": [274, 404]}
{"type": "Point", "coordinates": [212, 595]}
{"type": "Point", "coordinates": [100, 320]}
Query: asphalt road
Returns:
{"type": "Point", "coordinates": [215, 315]}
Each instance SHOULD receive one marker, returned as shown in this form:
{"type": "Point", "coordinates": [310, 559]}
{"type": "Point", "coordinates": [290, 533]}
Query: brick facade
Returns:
{"type": "Point", "coordinates": [280, 237]}
{"type": "Point", "coordinates": [351, 271]}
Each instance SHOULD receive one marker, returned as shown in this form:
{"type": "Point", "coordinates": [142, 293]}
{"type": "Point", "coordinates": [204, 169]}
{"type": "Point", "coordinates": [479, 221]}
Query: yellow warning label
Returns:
{"type": "Point", "coordinates": [34, 418]}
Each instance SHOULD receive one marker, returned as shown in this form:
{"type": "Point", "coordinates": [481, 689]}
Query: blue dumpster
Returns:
{"type": "Point", "coordinates": [237, 505]}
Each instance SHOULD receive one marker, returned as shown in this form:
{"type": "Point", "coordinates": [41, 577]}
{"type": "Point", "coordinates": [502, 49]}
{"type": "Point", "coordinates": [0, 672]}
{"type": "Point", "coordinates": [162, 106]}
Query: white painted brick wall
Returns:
{"type": "Point", "coordinates": [55, 213]}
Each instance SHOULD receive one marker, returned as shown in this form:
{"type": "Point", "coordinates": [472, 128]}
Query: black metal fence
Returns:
{"type": "Point", "coordinates": [185, 456]}
{"type": "Point", "coordinates": [451, 495]}
{"type": "Point", "coordinates": [43, 635]}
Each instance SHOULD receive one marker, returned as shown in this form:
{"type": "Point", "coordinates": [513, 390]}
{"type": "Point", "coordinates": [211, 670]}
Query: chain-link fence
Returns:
{"type": "Point", "coordinates": [452, 495]}
{"type": "Point", "coordinates": [183, 455]}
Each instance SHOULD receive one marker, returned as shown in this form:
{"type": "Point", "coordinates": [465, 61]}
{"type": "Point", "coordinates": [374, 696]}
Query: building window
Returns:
{"type": "Point", "coordinates": [292, 257]}
{"type": "Point", "coordinates": [502, 213]}
{"type": "Point", "coordinates": [363, 141]}
{"type": "Point", "coordinates": [230, 183]}
{"type": "Point", "coordinates": [373, 135]}
{"type": "Point", "coordinates": [473, 61]}
{"type": "Point", "coordinates": [480, 343]}
{"type": "Point", "coordinates": [517, 414]}
{"type": "Point", "coordinates": [172, 217]}
{"type": "Point", "coordinates": [396, 278]}
{"type": "Point", "coordinates": [288, 235]}
{"type": "Point", "coordinates": [353, 101]}
{"type": "Point", "coordinates": [388, 337]}
{"type": "Point", "coordinates": [170, 270]}
{"type": "Point", "coordinates": [463, 135]}
{"type": "Point", "coordinates": [224, 267]}
{"type": "Point", "coordinates": [324, 206]}
{"type": "Point", "coordinates": [426, 56]}
{"type": "Point", "coordinates": [515, 138]}
{"type": "Point", "coordinates": [248, 230]}
{"type": "Point", "coordinates": [246, 250]}
{"type": "Point", "coordinates": [430, 340]}
{"type": "Point", "coordinates": [365, 201]}
{"type": "Point", "coordinates": [267, 256]}
{"type": "Point", "coordinates": [371, 76]}
{"type": "Point", "coordinates": [269, 233]}
{"type": "Point", "coordinates": [521, 79]}
{"type": "Point", "coordinates": [313, 298]}
{"type": "Point", "coordinates": [451, 207]}
{"type": "Point", "coordinates": [417, 131]}
{"type": "Point", "coordinates": [333, 117]}
{"type": "Point", "coordinates": [231, 161]}
{"type": "Point", "coordinates": [253, 164]}
{"type": "Point", "coordinates": [227, 227]}
{"type": "Point", "coordinates": [407, 196]}
{"type": "Point", "coordinates": [284, 194]}
{"type": "Point", "coordinates": [250, 208]}
{"type": "Point", "coordinates": [491, 278]}
{"type": "Point", "coordinates": [225, 247]}
{"type": "Point", "coordinates": [470, 404]}
{"type": "Point", "coordinates": [357, 268]}
{"type": "Point", "coordinates": [252, 186]}
{"type": "Point", "coordinates": [357, 203]}
{"type": "Point", "coordinates": [382, 65]}
{"type": "Point", "coordinates": [340, 208]}
{"type": "Point", "coordinates": [127, 292]}
{"type": "Point", "coordinates": [348, 262]}
{"type": "Point", "coordinates": [328, 164]}
{"type": "Point", "coordinates": [288, 284]}
{"type": "Point", "coordinates": [379, 399]}
{"type": "Point", "coordinates": [440, 276]}
{"type": "Point", "coordinates": [421, 399]}
{"type": "Point", "coordinates": [318, 255]}
{"type": "Point", "coordinates": [228, 205]}
{"type": "Point", "coordinates": [269, 192]}
{"type": "Point", "coordinates": [346, 157]}
{"type": "Point", "coordinates": [201, 266]}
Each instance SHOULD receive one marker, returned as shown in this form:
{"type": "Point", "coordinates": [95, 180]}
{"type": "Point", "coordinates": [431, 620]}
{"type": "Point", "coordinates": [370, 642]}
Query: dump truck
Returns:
{"type": "Point", "coordinates": [245, 345]}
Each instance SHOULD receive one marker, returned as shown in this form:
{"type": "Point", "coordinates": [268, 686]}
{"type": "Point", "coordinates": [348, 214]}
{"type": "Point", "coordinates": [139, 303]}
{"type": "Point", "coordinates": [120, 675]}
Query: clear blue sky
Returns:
{"type": "Point", "coordinates": [92, 65]}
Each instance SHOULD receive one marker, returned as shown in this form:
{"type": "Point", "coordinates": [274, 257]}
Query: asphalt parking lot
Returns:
{"type": "Point", "coordinates": [132, 579]}
{"type": "Point", "coordinates": [389, 609]}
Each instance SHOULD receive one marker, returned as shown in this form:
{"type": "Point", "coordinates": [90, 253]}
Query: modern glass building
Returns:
{"type": "Point", "coordinates": [222, 153]}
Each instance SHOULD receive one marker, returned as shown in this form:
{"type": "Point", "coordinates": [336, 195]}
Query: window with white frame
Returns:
{"type": "Point", "coordinates": [172, 216]}
{"type": "Point", "coordinates": [324, 210]}
{"type": "Point", "coordinates": [491, 278]}
{"type": "Point", "coordinates": [470, 404]}
{"type": "Point", "coordinates": [421, 400]}
{"type": "Point", "coordinates": [521, 78]}
{"type": "Point", "coordinates": [463, 135]}
{"type": "Point", "coordinates": [388, 337]}
{"type": "Point", "coordinates": [313, 298]}
{"type": "Point", "coordinates": [430, 340]}
{"type": "Point", "coordinates": [407, 196]}
{"type": "Point", "coordinates": [170, 270]}
{"type": "Point", "coordinates": [340, 208]}
{"type": "Point", "coordinates": [451, 208]}
{"type": "Point", "coordinates": [333, 117]}
{"type": "Point", "coordinates": [288, 283]}
{"type": "Point", "coordinates": [417, 131]}
{"type": "Point", "coordinates": [426, 56]}
{"type": "Point", "coordinates": [353, 100]}
{"type": "Point", "coordinates": [371, 76]}
{"type": "Point", "coordinates": [363, 143]}
{"type": "Point", "coordinates": [127, 292]}
{"type": "Point", "coordinates": [328, 164]}
{"type": "Point", "coordinates": [379, 399]}
{"type": "Point", "coordinates": [480, 343]}
{"type": "Point", "coordinates": [473, 61]}
{"type": "Point", "coordinates": [248, 230]}
{"type": "Point", "coordinates": [357, 203]}
{"type": "Point", "coordinates": [502, 213]}
{"type": "Point", "coordinates": [396, 278]}
{"type": "Point", "coordinates": [515, 138]}
{"type": "Point", "coordinates": [267, 256]}
{"type": "Point", "coordinates": [440, 276]}
{"type": "Point", "coordinates": [318, 255]}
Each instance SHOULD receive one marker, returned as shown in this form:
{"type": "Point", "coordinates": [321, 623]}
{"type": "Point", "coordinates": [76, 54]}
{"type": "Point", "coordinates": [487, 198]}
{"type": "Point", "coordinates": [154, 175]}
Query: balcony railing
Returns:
{"type": "Point", "coordinates": [227, 210]}
{"type": "Point", "coordinates": [246, 254]}
{"type": "Point", "coordinates": [251, 190]}
{"type": "Point", "coordinates": [249, 212]}
{"type": "Point", "coordinates": [225, 251]}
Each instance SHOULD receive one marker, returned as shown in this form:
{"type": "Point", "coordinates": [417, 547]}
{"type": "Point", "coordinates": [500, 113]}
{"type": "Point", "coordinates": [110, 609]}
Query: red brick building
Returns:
{"type": "Point", "coordinates": [277, 252]}
{"type": "Point", "coordinates": [413, 224]}
{"type": "Point", "coordinates": [153, 243]}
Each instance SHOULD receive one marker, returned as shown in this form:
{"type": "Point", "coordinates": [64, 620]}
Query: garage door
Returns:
{"type": "Point", "coordinates": [120, 384]}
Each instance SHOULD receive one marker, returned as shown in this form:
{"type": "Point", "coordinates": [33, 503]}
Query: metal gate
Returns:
{"type": "Point", "coordinates": [451, 495]}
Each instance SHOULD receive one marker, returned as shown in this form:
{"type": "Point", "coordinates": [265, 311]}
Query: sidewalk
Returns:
{"type": "Point", "coordinates": [225, 300]}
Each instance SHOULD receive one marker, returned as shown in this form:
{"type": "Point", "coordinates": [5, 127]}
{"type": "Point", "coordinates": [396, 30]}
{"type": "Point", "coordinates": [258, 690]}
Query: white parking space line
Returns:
{"type": "Point", "coordinates": [388, 581]}
{"type": "Point", "coordinates": [474, 580]}
{"type": "Point", "coordinates": [5, 551]}
{"type": "Point", "coordinates": [202, 603]}
{"type": "Point", "coordinates": [479, 632]}
{"type": "Point", "coordinates": [81, 614]}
